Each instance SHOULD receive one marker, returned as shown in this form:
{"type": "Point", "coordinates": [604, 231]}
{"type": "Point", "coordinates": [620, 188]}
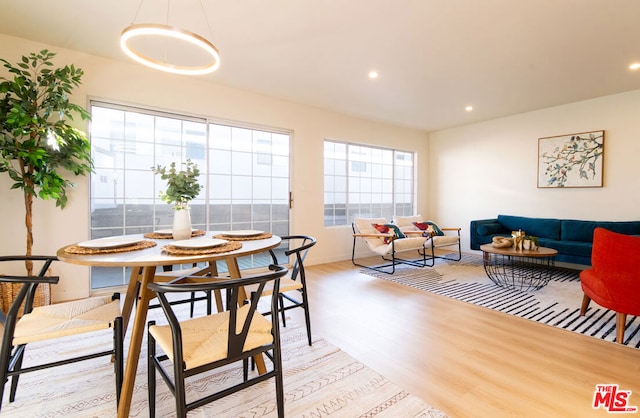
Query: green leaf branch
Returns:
{"type": "Point", "coordinates": [579, 153]}
{"type": "Point", "coordinates": [182, 186]}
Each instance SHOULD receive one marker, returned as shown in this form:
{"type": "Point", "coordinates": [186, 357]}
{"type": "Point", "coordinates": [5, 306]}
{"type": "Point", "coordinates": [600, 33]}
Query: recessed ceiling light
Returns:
{"type": "Point", "coordinates": [468, 108]}
{"type": "Point", "coordinates": [635, 66]}
{"type": "Point", "coordinates": [373, 74]}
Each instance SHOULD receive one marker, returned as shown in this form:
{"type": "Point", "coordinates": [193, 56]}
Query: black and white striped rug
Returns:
{"type": "Point", "coordinates": [556, 304]}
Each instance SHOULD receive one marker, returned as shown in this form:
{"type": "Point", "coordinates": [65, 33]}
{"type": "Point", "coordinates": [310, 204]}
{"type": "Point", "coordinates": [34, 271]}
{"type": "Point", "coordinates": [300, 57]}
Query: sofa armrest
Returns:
{"type": "Point", "coordinates": [482, 231]}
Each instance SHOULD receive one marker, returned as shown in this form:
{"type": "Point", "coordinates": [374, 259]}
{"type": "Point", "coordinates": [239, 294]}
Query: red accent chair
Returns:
{"type": "Point", "coordinates": [613, 282]}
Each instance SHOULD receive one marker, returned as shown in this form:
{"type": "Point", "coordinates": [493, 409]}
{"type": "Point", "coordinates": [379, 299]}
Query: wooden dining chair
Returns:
{"type": "Point", "coordinates": [200, 344]}
{"type": "Point", "coordinates": [24, 324]}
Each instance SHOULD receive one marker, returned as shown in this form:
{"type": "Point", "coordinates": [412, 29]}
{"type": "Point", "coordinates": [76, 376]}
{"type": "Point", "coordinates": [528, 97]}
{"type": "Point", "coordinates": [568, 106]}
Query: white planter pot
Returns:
{"type": "Point", "coordinates": [181, 224]}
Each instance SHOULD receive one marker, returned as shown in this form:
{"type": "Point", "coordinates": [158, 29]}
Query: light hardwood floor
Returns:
{"type": "Point", "coordinates": [466, 360]}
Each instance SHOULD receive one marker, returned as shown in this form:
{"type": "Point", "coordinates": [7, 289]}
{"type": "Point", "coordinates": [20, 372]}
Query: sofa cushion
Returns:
{"type": "Point", "coordinates": [406, 221]}
{"type": "Point", "coordinates": [490, 229]}
{"type": "Point", "coordinates": [389, 228]}
{"type": "Point", "coordinates": [576, 230]}
{"type": "Point", "coordinates": [573, 248]}
{"type": "Point", "coordinates": [424, 226]}
{"type": "Point", "coordinates": [537, 227]}
{"type": "Point", "coordinates": [573, 230]}
{"type": "Point", "coordinates": [626, 227]}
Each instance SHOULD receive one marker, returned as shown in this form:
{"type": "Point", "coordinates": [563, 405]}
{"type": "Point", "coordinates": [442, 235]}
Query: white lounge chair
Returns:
{"type": "Point", "coordinates": [387, 245]}
{"type": "Point", "coordinates": [442, 238]}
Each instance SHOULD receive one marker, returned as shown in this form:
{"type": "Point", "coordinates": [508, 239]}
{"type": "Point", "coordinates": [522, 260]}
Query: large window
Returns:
{"type": "Point", "coordinates": [366, 181]}
{"type": "Point", "coordinates": [244, 171]}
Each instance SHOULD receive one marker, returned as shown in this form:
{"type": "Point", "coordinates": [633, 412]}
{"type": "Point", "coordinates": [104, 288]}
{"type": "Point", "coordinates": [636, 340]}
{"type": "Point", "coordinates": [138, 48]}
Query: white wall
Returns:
{"type": "Point", "coordinates": [479, 171]}
{"type": "Point", "coordinates": [131, 83]}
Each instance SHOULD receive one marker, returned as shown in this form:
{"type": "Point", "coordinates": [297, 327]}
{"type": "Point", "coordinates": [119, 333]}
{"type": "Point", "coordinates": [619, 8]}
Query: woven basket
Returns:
{"type": "Point", "coordinates": [8, 292]}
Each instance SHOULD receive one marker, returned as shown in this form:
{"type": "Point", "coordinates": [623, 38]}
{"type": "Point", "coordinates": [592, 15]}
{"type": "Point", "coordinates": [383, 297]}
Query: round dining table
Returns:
{"type": "Point", "coordinates": [148, 260]}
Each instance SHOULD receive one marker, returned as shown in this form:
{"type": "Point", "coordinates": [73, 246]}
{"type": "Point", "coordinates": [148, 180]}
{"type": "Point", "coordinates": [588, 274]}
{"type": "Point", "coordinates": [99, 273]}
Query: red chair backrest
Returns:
{"type": "Point", "coordinates": [616, 256]}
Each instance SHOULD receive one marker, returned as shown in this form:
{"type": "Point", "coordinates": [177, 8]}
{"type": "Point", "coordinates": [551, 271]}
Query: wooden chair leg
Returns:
{"type": "Point", "coordinates": [621, 322]}
{"type": "Point", "coordinates": [219, 305]}
{"type": "Point", "coordinates": [585, 304]}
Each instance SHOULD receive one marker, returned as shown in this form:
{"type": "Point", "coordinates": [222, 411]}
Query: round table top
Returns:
{"type": "Point", "coordinates": [154, 256]}
{"type": "Point", "coordinates": [540, 252]}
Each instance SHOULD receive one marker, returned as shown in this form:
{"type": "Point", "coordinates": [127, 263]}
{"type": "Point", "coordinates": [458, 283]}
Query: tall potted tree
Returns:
{"type": "Point", "coordinates": [37, 143]}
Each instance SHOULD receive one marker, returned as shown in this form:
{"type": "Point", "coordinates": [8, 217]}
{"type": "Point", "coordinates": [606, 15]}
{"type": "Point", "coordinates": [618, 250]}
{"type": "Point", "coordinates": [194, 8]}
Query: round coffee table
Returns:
{"type": "Point", "coordinates": [518, 269]}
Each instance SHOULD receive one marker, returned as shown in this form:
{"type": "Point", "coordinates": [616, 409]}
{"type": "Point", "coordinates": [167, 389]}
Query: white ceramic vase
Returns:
{"type": "Point", "coordinates": [181, 224]}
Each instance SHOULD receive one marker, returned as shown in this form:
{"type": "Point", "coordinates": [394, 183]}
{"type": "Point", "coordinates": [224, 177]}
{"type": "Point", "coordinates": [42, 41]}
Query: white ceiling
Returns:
{"type": "Point", "coordinates": [434, 56]}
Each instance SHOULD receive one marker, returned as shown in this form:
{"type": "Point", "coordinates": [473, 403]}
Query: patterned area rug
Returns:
{"type": "Point", "coordinates": [556, 304]}
{"type": "Point", "coordinates": [319, 381]}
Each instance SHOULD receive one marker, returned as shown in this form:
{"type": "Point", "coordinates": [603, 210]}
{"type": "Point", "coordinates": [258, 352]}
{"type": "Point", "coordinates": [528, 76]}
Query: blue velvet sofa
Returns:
{"type": "Point", "coordinates": [571, 238]}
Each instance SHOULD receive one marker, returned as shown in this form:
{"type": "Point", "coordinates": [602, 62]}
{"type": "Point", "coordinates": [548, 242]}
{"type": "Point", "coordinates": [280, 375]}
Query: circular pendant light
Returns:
{"type": "Point", "coordinates": [166, 31]}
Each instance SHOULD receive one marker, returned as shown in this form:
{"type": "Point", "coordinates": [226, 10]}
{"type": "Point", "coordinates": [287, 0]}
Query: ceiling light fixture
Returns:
{"type": "Point", "coordinates": [373, 74]}
{"type": "Point", "coordinates": [468, 108]}
{"type": "Point", "coordinates": [155, 33]}
{"type": "Point", "coordinates": [635, 66]}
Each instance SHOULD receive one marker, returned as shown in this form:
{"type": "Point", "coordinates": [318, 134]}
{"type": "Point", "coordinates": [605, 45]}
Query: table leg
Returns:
{"type": "Point", "coordinates": [234, 273]}
{"type": "Point", "coordinates": [137, 334]}
{"type": "Point", "coordinates": [130, 297]}
{"type": "Point", "coordinates": [213, 271]}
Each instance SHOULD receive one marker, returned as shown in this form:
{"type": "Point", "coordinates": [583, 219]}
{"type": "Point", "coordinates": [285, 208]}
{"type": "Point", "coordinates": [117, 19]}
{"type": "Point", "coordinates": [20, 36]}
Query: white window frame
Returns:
{"type": "Point", "coordinates": [245, 170]}
{"type": "Point", "coordinates": [366, 181]}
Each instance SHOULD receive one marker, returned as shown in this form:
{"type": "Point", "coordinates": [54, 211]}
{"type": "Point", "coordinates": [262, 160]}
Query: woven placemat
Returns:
{"type": "Point", "coordinates": [75, 249]}
{"type": "Point", "coordinates": [168, 235]}
{"type": "Point", "coordinates": [231, 246]}
{"type": "Point", "coordinates": [251, 238]}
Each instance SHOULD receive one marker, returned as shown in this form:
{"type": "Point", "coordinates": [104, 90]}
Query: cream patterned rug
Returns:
{"type": "Point", "coordinates": [319, 381]}
{"type": "Point", "coordinates": [557, 304]}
